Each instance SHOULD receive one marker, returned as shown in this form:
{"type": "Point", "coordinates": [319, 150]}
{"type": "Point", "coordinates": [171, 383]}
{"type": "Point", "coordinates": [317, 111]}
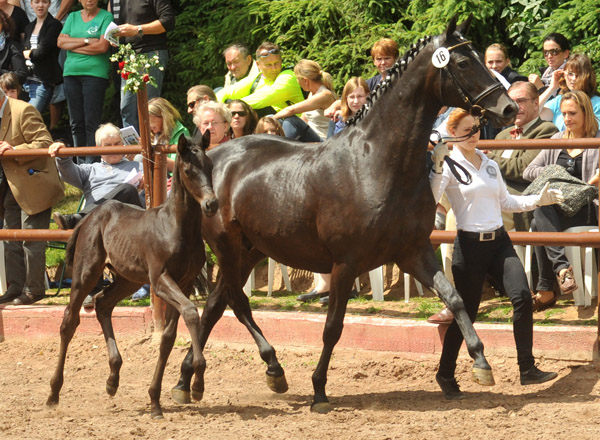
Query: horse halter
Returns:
{"type": "Point", "coordinates": [475, 109]}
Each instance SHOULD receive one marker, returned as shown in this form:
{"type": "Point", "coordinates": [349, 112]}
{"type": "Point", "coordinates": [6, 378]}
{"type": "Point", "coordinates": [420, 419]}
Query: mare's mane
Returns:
{"type": "Point", "coordinates": [393, 74]}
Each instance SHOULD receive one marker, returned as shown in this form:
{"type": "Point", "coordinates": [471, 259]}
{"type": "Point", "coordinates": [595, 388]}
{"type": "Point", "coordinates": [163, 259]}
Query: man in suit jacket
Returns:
{"type": "Point", "coordinates": [512, 163]}
{"type": "Point", "coordinates": [29, 188]}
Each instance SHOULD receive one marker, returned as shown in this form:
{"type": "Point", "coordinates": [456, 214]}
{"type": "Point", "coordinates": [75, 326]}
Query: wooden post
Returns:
{"type": "Point", "coordinates": [158, 305]}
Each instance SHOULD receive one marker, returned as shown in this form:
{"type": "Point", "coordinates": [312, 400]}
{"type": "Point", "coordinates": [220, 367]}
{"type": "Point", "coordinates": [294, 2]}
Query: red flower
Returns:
{"type": "Point", "coordinates": [121, 65]}
{"type": "Point", "coordinates": [146, 78]}
{"type": "Point", "coordinates": [125, 75]}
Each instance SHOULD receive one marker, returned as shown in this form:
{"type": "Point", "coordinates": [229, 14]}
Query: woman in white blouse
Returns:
{"type": "Point", "coordinates": [483, 247]}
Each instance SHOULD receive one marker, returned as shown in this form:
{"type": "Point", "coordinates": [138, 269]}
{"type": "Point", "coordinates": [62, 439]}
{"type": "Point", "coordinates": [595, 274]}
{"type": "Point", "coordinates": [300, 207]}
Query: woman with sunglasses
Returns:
{"type": "Point", "coordinates": [578, 74]}
{"type": "Point", "coordinates": [243, 119]}
{"type": "Point", "coordinates": [553, 264]}
{"type": "Point", "coordinates": [556, 50]}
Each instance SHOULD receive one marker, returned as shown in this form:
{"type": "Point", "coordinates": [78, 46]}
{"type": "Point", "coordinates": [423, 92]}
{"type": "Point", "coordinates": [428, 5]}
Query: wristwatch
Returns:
{"type": "Point", "coordinates": [140, 31]}
{"type": "Point", "coordinates": [86, 41]}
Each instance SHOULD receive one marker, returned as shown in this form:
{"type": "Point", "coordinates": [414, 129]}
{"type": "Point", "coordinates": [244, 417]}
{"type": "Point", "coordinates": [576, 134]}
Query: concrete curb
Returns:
{"type": "Point", "coordinates": [576, 343]}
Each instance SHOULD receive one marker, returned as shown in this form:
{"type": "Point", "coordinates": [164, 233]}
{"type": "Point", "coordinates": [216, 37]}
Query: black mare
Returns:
{"type": "Point", "coordinates": [162, 246]}
{"type": "Point", "coordinates": [352, 203]}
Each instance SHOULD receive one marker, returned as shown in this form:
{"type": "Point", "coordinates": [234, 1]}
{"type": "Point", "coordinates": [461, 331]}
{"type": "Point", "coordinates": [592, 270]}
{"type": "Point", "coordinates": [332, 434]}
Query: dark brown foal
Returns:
{"type": "Point", "coordinates": [161, 246]}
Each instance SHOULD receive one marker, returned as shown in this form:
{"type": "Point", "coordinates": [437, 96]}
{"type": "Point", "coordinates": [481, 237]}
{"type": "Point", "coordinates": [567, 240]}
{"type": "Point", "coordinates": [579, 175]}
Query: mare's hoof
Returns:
{"type": "Point", "coordinates": [111, 390]}
{"type": "Point", "coordinates": [483, 377]}
{"type": "Point", "coordinates": [180, 396]}
{"type": "Point", "coordinates": [321, 408]}
{"type": "Point", "coordinates": [277, 384]}
{"type": "Point", "coordinates": [52, 401]}
{"type": "Point", "coordinates": [197, 395]}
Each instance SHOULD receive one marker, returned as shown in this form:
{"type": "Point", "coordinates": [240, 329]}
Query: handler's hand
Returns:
{"type": "Point", "coordinates": [549, 196]}
{"type": "Point", "coordinates": [440, 151]}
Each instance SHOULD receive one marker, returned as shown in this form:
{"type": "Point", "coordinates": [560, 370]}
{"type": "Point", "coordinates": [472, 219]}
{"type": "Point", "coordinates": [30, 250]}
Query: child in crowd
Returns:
{"type": "Point", "coordinates": [9, 82]}
{"type": "Point", "coordinates": [269, 125]}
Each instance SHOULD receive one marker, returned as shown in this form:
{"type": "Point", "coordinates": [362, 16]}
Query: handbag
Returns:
{"type": "Point", "coordinates": [577, 193]}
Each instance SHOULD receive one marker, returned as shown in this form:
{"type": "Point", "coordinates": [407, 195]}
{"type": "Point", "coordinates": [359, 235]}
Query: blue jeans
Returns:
{"type": "Point", "coordinates": [129, 113]}
{"type": "Point", "coordinates": [85, 98]}
{"type": "Point", "coordinates": [295, 128]}
{"type": "Point", "coordinates": [40, 94]}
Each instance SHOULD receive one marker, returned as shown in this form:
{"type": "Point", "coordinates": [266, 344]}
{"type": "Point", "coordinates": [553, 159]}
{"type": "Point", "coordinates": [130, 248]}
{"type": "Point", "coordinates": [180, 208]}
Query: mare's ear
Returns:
{"type": "Point", "coordinates": [463, 28]}
{"type": "Point", "coordinates": [183, 145]}
{"type": "Point", "coordinates": [205, 140]}
{"type": "Point", "coordinates": [451, 27]}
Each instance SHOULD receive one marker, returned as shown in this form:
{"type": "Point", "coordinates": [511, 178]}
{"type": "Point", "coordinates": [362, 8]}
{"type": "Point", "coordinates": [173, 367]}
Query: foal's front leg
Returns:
{"type": "Point", "coordinates": [168, 290]}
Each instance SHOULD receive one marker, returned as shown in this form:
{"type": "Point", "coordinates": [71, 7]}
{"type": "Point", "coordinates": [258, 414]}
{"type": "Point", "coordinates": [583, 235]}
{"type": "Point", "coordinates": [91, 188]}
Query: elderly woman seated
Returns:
{"type": "Point", "coordinates": [113, 178]}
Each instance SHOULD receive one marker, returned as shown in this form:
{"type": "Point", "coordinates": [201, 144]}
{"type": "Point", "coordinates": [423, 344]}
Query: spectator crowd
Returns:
{"type": "Point", "coordinates": [54, 54]}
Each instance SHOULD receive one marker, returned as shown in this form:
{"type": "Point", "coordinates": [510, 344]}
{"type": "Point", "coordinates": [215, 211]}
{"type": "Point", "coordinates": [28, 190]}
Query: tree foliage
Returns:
{"type": "Point", "coordinates": [338, 33]}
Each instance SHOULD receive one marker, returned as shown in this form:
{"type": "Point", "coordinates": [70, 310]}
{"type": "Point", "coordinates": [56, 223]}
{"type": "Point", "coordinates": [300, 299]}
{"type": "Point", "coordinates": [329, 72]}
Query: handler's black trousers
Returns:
{"type": "Point", "coordinates": [471, 262]}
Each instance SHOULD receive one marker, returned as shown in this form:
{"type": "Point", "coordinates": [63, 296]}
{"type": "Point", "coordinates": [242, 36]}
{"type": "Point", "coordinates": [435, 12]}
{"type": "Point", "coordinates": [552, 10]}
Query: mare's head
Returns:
{"type": "Point", "coordinates": [464, 79]}
{"type": "Point", "coordinates": [195, 172]}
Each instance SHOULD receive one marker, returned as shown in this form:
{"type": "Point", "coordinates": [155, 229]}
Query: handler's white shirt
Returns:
{"type": "Point", "coordinates": [478, 206]}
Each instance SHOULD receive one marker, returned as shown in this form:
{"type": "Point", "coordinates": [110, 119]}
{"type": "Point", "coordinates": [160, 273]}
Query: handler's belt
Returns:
{"type": "Point", "coordinates": [483, 236]}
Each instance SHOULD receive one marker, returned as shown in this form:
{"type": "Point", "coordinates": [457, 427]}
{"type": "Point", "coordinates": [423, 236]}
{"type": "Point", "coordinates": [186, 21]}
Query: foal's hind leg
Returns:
{"type": "Point", "coordinates": [431, 276]}
{"type": "Point", "coordinates": [85, 277]}
{"type": "Point", "coordinates": [105, 303]}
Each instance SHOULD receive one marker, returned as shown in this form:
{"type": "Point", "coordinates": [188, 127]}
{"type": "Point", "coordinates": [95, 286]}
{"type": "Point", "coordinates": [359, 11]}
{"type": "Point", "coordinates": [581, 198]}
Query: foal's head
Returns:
{"type": "Point", "coordinates": [195, 172]}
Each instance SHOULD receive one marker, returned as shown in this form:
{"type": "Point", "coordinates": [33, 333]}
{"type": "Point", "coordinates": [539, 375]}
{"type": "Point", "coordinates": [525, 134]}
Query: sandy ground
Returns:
{"type": "Point", "coordinates": [376, 395]}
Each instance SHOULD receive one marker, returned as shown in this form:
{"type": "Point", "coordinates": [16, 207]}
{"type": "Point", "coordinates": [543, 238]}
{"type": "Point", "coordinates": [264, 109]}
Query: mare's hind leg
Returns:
{"type": "Point", "coordinates": [339, 293]}
{"type": "Point", "coordinates": [431, 276]}
{"type": "Point", "coordinates": [105, 302]}
{"type": "Point", "coordinates": [85, 277]}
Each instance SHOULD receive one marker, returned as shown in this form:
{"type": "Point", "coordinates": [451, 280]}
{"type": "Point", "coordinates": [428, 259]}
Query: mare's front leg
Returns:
{"type": "Point", "coordinates": [341, 284]}
{"type": "Point", "coordinates": [167, 341]}
{"type": "Point", "coordinates": [430, 275]}
{"type": "Point", "coordinates": [104, 304]}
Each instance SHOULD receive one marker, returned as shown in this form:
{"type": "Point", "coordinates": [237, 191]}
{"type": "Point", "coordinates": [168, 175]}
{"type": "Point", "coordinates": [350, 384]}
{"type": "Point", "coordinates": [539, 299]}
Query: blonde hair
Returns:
{"type": "Point", "coordinates": [590, 123]}
{"type": "Point", "coordinates": [353, 83]}
{"type": "Point", "coordinates": [262, 122]}
{"type": "Point", "coordinates": [312, 70]}
{"type": "Point", "coordinates": [499, 47]}
{"type": "Point", "coordinates": [105, 131]}
{"type": "Point", "coordinates": [162, 108]}
{"type": "Point", "coordinates": [200, 91]}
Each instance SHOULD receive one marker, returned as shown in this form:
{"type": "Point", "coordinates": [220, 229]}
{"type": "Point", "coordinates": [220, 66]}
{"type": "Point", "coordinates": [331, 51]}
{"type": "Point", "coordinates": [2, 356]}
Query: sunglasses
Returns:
{"type": "Point", "coordinates": [570, 166]}
{"type": "Point", "coordinates": [552, 52]}
{"type": "Point", "coordinates": [240, 113]}
{"type": "Point", "coordinates": [192, 104]}
{"type": "Point", "coordinates": [266, 53]}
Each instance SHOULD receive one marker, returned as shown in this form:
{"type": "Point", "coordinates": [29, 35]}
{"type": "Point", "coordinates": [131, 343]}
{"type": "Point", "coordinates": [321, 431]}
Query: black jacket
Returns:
{"type": "Point", "coordinates": [12, 60]}
{"type": "Point", "coordinates": [45, 57]}
{"type": "Point", "coordinates": [512, 76]}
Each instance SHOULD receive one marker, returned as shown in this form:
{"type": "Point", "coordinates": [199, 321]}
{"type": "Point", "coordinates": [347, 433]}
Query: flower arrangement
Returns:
{"type": "Point", "coordinates": [134, 67]}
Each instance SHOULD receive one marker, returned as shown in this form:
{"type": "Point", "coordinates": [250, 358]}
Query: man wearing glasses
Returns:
{"type": "Point", "coordinates": [556, 50]}
{"type": "Point", "coordinates": [272, 90]}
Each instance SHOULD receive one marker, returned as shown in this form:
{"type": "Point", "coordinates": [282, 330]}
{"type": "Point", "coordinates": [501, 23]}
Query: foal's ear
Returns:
{"type": "Point", "coordinates": [183, 145]}
{"type": "Point", "coordinates": [205, 140]}
{"type": "Point", "coordinates": [463, 28]}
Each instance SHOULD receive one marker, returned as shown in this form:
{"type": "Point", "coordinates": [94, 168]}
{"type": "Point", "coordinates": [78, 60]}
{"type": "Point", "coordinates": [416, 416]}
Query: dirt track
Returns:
{"type": "Point", "coordinates": [376, 395]}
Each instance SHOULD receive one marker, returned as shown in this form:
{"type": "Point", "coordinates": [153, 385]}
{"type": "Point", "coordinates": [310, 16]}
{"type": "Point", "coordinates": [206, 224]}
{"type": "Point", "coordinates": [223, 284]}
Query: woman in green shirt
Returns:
{"type": "Point", "coordinates": [86, 69]}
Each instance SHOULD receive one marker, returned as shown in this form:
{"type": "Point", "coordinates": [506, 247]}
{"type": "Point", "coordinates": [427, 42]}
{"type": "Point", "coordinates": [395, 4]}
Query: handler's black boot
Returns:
{"type": "Point", "coordinates": [535, 376]}
{"type": "Point", "coordinates": [449, 387]}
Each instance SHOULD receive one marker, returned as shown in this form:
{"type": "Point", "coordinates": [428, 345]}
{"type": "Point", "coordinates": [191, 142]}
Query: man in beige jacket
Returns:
{"type": "Point", "coordinates": [29, 187]}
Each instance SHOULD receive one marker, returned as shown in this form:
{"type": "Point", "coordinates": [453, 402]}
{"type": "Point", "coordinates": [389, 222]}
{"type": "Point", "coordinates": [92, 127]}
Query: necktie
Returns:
{"type": "Point", "coordinates": [516, 132]}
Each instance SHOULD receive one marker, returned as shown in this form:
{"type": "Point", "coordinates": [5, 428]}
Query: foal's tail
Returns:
{"type": "Point", "coordinates": [70, 251]}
